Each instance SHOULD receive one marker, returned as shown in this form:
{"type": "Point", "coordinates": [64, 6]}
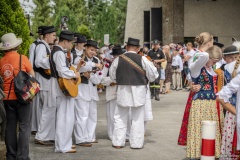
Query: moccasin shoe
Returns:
{"type": "Point", "coordinates": [85, 144]}
{"type": "Point", "coordinates": [72, 151]}
{"type": "Point", "coordinates": [118, 147]}
{"type": "Point", "coordinates": [46, 143]}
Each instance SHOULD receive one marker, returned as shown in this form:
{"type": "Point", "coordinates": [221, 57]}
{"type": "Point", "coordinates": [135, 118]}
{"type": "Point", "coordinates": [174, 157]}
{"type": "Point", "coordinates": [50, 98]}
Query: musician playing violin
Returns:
{"type": "Point", "coordinates": [78, 48]}
{"type": "Point", "coordinates": [157, 57]}
{"type": "Point", "coordinates": [111, 94]}
{"type": "Point", "coordinates": [86, 101]}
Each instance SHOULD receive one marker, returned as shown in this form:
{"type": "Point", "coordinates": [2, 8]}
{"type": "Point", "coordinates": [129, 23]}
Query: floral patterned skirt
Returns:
{"type": "Point", "coordinates": [227, 134]}
{"type": "Point", "coordinates": [182, 139]}
{"type": "Point", "coordinates": [235, 153]}
{"type": "Point", "coordinates": [202, 110]}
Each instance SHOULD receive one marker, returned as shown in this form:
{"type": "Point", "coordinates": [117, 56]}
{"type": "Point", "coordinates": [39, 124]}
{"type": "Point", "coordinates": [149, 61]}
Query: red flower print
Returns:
{"type": "Point", "coordinates": [100, 73]}
{"type": "Point", "coordinates": [106, 65]}
{"type": "Point", "coordinates": [207, 86]}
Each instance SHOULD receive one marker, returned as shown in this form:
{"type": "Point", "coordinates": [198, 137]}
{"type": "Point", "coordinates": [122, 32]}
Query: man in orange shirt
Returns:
{"type": "Point", "coordinates": [17, 113]}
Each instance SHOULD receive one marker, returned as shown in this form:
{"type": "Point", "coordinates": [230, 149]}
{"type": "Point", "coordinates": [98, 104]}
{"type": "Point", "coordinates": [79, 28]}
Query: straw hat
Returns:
{"type": "Point", "coordinates": [9, 41]}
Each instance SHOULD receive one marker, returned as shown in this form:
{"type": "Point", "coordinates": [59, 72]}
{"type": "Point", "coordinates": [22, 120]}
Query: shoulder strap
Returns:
{"type": "Point", "coordinates": [20, 63]}
{"type": "Point", "coordinates": [132, 63]}
{"type": "Point", "coordinates": [51, 63]}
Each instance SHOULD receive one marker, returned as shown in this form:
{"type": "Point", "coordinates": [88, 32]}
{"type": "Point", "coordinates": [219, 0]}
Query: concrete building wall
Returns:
{"type": "Point", "coordinates": [186, 18]}
{"type": "Point", "coordinates": [220, 18]}
{"type": "Point", "coordinates": [135, 14]}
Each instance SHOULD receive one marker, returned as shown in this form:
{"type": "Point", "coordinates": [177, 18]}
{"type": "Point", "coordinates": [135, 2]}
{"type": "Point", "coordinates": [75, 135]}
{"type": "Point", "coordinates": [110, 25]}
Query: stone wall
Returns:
{"type": "Point", "coordinates": [187, 18]}
{"type": "Point", "coordinates": [173, 23]}
{"type": "Point", "coordinates": [220, 18]}
{"type": "Point", "coordinates": [135, 14]}
{"type": "Point", "coordinates": [172, 20]}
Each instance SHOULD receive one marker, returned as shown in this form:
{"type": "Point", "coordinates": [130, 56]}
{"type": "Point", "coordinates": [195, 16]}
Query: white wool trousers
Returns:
{"type": "Point", "coordinates": [36, 113]}
{"type": "Point", "coordinates": [110, 109]}
{"type": "Point", "coordinates": [85, 120]}
{"type": "Point", "coordinates": [64, 124]}
{"type": "Point", "coordinates": [121, 117]}
{"type": "Point", "coordinates": [46, 127]}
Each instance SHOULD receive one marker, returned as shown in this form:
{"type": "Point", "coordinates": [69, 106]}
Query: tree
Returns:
{"type": "Point", "coordinates": [110, 20]}
{"type": "Point", "coordinates": [106, 23]}
{"type": "Point", "coordinates": [12, 20]}
{"type": "Point", "coordinates": [121, 11]}
{"type": "Point", "coordinates": [41, 14]}
{"type": "Point", "coordinates": [73, 9]}
{"type": "Point", "coordinates": [84, 30]}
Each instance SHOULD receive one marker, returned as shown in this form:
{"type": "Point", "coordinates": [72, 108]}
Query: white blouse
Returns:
{"type": "Point", "coordinates": [226, 92]}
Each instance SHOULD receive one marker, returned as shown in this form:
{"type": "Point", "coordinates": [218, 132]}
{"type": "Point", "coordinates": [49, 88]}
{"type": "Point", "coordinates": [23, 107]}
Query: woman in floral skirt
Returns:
{"type": "Point", "coordinates": [203, 106]}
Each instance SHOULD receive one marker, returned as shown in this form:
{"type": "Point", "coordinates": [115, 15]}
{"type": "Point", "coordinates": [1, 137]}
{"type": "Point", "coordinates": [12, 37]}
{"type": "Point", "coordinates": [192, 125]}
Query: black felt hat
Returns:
{"type": "Point", "coordinates": [220, 45]}
{"type": "Point", "coordinates": [40, 29]}
{"type": "Point", "coordinates": [92, 43]}
{"type": "Point", "coordinates": [230, 50]}
{"type": "Point", "coordinates": [133, 42]}
{"type": "Point", "coordinates": [117, 50]}
{"type": "Point", "coordinates": [48, 29]}
{"type": "Point", "coordinates": [80, 39]}
{"type": "Point", "coordinates": [68, 35]}
{"type": "Point", "coordinates": [110, 45]}
{"type": "Point", "coordinates": [77, 34]}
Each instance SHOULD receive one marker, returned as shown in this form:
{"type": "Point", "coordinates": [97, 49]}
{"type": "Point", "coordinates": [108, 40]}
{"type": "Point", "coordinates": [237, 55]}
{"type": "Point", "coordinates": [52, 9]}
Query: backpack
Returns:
{"type": "Point", "coordinates": [26, 86]}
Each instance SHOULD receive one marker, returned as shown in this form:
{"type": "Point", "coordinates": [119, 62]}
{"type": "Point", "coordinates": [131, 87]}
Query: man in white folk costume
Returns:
{"type": "Point", "coordinates": [86, 102]}
{"type": "Point", "coordinates": [65, 104]}
{"type": "Point", "coordinates": [36, 110]}
{"type": "Point", "coordinates": [41, 65]}
{"type": "Point", "coordinates": [111, 94]}
{"type": "Point", "coordinates": [131, 72]}
{"type": "Point", "coordinates": [78, 49]}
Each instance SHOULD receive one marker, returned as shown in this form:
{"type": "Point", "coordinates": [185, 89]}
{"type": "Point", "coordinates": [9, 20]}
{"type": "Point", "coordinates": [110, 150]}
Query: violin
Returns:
{"type": "Point", "coordinates": [107, 60]}
{"type": "Point", "coordinates": [149, 58]}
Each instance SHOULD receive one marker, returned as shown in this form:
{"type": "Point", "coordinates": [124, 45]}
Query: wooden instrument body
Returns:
{"type": "Point", "coordinates": [47, 71]}
{"type": "Point", "coordinates": [69, 87]}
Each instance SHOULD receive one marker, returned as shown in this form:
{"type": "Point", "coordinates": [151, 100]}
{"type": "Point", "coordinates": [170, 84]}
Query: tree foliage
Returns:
{"type": "Point", "coordinates": [12, 20]}
{"type": "Point", "coordinates": [93, 18]}
{"type": "Point", "coordinates": [84, 30]}
{"type": "Point", "coordinates": [42, 14]}
{"type": "Point", "coordinates": [73, 9]}
{"type": "Point", "coordinates": [106, 23]}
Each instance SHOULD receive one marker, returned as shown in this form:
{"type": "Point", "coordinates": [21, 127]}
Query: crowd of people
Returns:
{"type": "Point", "coordinates": [57, 118]}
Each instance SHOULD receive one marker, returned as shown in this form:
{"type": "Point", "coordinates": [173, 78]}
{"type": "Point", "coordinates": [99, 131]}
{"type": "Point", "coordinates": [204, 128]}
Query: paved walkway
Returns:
{"type": "Point", "coordinates": [160, 140]}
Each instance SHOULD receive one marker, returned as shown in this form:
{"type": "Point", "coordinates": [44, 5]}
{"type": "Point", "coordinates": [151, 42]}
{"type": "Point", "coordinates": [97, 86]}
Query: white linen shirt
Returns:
{"type": "Point", "coordinates": [230, 67]}
{"type": "Point", "coordinates": [133, 96]}
{"type": "Point", "coordinates": [111, 91]}
{"type": "Point", "coordinates": [78, 58]}
{"type": "Point", "coordinates": [191, 54]}
{"type": "Point", "coordinates": [31, 51]}
{"type": "Point", "coordinates": [177, 61]}
{"type": "Point", "coordinates": [88, 91]}
{"type": "Point", "coordinates": [201, 60]}
{"type": "Point", "coordinates": [42, 61]}
{"type": "Point", "coordinates": [226, 92]}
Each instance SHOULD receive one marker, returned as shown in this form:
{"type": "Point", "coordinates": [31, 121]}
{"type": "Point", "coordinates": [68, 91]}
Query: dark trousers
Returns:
{"type": "Point", "coordinates": [17, 144]}
{"type": "Point", "coordinates": [156, 83]}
